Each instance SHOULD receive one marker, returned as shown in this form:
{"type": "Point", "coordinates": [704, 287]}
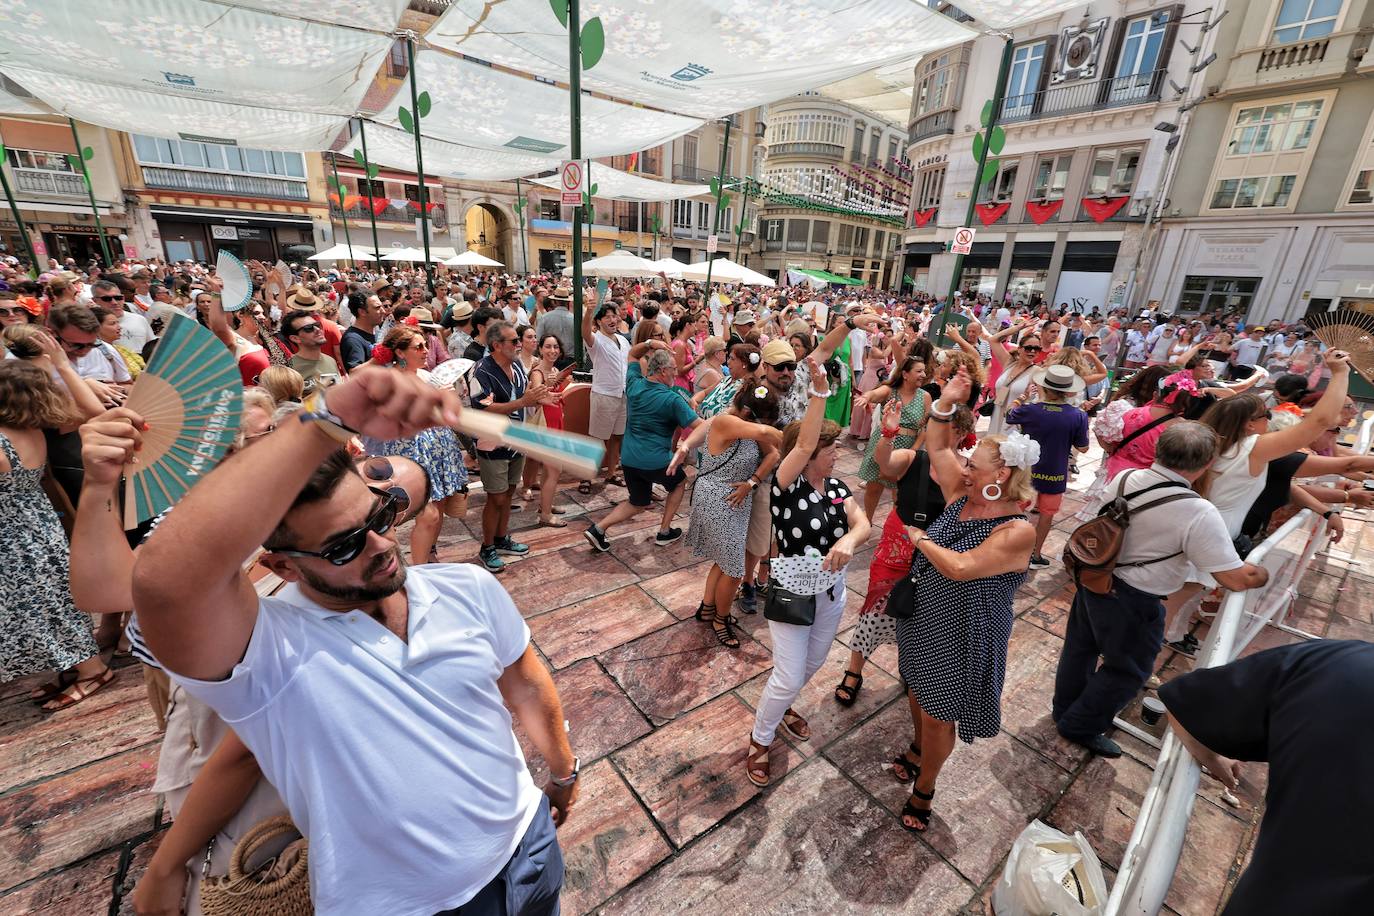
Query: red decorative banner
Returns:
{"type": "Point", "coordinates": [1102, 209]}
{"type": "Point", "coordinates": [921, 217]}
{"type": "Point", "coordinates": [430, 205]}
{"type": "Point", "coordinates": [991, 213]}
{"type": "Point", "coordinates": [378, 204]}
{"type": "Point", "coordinates": [1041, 210]}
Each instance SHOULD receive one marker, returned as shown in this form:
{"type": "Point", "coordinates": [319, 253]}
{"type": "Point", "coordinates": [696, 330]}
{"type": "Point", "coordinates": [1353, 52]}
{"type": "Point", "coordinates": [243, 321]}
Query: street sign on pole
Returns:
{"type": "Point", "coordinates": [573, 177]}
{"type": "Point", "coordinates": [712, 244]}
{"type": "Point", "coordinates": [963, 240]}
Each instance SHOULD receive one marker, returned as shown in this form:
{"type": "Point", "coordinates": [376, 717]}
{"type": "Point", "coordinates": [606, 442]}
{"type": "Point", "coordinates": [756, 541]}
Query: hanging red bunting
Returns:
{"type": "Point", "coordinates": [921, 217]}
{"type": "Point", "coordinates": [1041, 210]}
{"type": "Point", "coordinates": [334, 198]}
{"type": "Point", "coordinates": [1102, 209]}
{"type": "Point", "coordinates": [430, 205]}
{"type": "Point", "coordinates": [378, 204]}
{"type": "Point", "coordinates": [991, 213]}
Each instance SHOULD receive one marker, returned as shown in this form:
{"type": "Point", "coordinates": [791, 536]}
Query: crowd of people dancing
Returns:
{"type": "Point", "coordinates": [969, 416]}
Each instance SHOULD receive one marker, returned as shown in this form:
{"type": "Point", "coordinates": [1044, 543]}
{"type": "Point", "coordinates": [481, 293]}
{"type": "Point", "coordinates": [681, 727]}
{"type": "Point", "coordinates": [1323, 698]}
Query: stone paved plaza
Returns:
{"type": "Point", "coordinates": [667, 821]}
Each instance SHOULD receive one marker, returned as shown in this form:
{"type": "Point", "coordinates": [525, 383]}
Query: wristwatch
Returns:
{"type": "Point", "coordinates": [849, 323]}
{"type": "Point", "coordinates": [567, 780]}
{"type": "Point", "coordinates": [1326, 516]}
{"type": "Point", "coordinates": [317, 412]}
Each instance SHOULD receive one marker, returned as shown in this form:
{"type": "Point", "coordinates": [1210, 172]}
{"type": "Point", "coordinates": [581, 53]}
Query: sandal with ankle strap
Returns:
{"type": "Point", "coordinates": [921, 815]}
{"type": "Point", "coordinates": [904, 768]}
{"type": "Point", "coordinates": [795, 725]}
{"type": "Point", "coordinates": [845, 694]}
{"type": "Point", "coordinates": [756, 765]}
{"type": "Point", "coordinates": [702, 612]}
{"type": "Point", "coordinates": [724, 629]}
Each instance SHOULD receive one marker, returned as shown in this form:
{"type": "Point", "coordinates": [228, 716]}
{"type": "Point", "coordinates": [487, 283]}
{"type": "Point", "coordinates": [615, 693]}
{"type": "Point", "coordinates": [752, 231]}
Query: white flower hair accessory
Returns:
{"type": "Point", "coordinates": [761, 391]}
{"type": "Point", "coordinates": [1019, 450]}
{"type": "Point", "coordinates": [753, 359]}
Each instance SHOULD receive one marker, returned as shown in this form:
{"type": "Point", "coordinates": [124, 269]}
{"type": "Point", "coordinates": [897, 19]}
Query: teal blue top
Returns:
{"type": "Point", "coordinates": [654, 411]}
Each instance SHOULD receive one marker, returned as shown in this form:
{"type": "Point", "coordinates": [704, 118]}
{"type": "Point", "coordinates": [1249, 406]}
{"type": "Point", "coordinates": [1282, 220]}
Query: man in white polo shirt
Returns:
{"type": "Point", "coordinates": [372, 696]}
{"type": "Point", "coordinates": [609, 352]}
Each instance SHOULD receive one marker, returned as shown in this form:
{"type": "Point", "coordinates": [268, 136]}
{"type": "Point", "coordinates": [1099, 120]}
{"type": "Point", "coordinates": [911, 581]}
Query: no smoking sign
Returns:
{"type": "Point", "coordinates": [963, 240]}
{"type": "Point", "coordinates": [572, 177]}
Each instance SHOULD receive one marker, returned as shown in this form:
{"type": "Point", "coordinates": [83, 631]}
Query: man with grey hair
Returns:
{"type": "Point", "coordinates": [1159, 550]}
{"type": "Point", "coordinates": [656, 408]}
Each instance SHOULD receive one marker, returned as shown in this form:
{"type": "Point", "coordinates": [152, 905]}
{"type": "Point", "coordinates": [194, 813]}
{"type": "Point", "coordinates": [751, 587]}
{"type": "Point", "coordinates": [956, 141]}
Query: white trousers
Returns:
{"type": "Point", "coordinates": [798, 653]}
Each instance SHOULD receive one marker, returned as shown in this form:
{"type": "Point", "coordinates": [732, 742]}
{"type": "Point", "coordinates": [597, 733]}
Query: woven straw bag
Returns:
{"type": "Point", "coordinates": [243, 893]}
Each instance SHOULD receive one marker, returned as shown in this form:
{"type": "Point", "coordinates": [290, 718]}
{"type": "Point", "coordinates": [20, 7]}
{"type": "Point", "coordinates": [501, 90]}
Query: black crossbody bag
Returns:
{"type": "Point", "coordinates": [901, 599]}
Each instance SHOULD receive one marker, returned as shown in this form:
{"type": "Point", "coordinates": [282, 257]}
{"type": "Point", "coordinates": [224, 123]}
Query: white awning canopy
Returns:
{"type": "Point", "coordinates": [413, 255]}
{"type": "Point", "coordinates": [619, 263]}
{"type": "Point", "coordinates": [613, 184]}
{"type": "Point", "coordinates": [388, 146]}
{"type": "Point", "coordinates": [724, 270]}
{"type": "Point", "coordinates": [344, 253]}
{"type": "Point", "coordinates": [472, 259]}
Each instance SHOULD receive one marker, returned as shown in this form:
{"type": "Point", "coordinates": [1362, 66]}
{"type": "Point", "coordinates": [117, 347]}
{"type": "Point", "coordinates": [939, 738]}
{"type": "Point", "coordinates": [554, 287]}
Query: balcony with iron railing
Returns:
{"type": "Point", "coordinates": [47, 181]}
{"type": "Point", "coordinates": [225, 183]}
{"type": "Point", "coordinates": [697, 175]}
{"type": "Point", "coordinates": [407, 214]}
{"type": "Point", "coordinates": [1085, 95]}
{"type": "Point", "coordinates": [937, 124]}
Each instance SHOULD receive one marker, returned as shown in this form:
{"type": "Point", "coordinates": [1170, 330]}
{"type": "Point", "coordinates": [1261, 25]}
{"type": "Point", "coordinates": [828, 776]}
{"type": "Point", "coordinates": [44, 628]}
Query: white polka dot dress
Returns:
{"type": "Point", "coordinates": [953, 651]}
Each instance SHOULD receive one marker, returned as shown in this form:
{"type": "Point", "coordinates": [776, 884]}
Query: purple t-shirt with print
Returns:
{"type": "Point", "coordinates": [1058, 428]}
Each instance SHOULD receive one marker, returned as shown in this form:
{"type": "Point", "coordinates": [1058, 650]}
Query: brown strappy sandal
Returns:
{"type": "Point", "coordinates": [756, 764]}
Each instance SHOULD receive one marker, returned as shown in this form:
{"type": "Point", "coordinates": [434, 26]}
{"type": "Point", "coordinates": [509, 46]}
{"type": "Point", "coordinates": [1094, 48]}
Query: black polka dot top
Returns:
{"type": "Point", "coordinates": [803, 517]}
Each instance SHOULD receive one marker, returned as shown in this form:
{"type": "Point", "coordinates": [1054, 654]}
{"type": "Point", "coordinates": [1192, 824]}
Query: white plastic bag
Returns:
{"type": "Point", "coordinates": [1050, 874]}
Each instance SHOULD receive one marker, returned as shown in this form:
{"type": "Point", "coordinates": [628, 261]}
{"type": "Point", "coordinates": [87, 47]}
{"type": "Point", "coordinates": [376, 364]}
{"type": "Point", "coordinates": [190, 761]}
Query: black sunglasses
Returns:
{"type": "Point", "coordinates": [110, 298]}
{"type": "Point", "coordinates": [1267, 415]}
{"type": "Point", "coordinates": [786, 367]}
{"type": "Point", "coordinates": [347, 547]}
{"type": "Point", "coordinates": [307, 328]}
{"type": "Point", "coordinates": [1031, 349]}
{"type": "Point", "coordinates": [76, 347]}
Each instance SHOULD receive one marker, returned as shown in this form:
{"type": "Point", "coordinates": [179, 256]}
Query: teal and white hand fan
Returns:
{"type": "Point", "coordinates": [191, 397]}
{"type": "Point", "coordinates": [578, 455]}
{"type": "Point", "coordinates": [238, 286]}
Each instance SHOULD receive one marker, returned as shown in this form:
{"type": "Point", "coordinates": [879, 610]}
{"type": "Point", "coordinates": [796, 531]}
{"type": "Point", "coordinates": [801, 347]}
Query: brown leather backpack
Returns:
{"type": "Point", "coordinates": [1091, 552]}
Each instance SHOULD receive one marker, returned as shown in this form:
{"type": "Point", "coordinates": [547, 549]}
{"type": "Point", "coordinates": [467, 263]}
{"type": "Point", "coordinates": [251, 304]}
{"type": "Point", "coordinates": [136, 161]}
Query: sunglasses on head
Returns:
{"type": "Point", "coordinates": [349, 546]}
{"type": "Point", "coordinates": [109, 298]}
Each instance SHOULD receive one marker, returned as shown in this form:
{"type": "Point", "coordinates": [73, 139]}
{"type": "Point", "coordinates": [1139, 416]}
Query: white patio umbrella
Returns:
{"type": "Point", "coordinates": [670, 266]}
{"type": "Point", "coordinates": [343, 253]}
{"type": "Point", "coordinates": [619, 263]}
{"type": "Point", "coordinates": [414, 255]}
{"type": "Point", "coordinates": [725, 270]}
{"type": "Point", "coordinates": [471, 258]}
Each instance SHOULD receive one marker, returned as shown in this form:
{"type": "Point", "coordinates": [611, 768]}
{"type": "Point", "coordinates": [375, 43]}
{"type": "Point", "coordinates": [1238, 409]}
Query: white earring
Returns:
{"type": "Point", "coordinates": [992, 492]}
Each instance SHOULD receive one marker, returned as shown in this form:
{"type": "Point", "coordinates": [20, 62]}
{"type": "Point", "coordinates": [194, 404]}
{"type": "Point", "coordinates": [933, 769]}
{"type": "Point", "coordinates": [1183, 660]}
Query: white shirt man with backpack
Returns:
{"type": "Point", "coordinates": [1160, 547]}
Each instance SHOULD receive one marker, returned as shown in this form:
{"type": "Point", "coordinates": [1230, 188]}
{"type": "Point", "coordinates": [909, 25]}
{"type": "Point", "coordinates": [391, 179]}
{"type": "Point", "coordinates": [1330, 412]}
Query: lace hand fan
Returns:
{"type": "Point", "coordinates": [191, 397]}
{"type": "Point", "coordinates": [238, 286]}
{"type": "Point", "coordinates": [1348, 330]}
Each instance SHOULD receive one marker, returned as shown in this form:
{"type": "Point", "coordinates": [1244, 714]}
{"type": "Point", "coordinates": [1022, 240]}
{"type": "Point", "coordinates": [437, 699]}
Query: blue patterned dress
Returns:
{"type": "Point", "coordinates": [40, 627]}
{"type": "Point", "coordinates": [953, 651]}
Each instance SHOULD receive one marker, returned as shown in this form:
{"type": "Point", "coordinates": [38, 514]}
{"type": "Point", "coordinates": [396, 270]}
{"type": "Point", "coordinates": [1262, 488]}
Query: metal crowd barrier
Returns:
{"type": "Point", "coordinates": [1156, 844]}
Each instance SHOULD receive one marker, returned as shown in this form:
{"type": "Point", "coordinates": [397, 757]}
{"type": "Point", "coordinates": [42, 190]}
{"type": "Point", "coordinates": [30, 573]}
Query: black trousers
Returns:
{"type": "Point", "coordinates": [1125, 628]}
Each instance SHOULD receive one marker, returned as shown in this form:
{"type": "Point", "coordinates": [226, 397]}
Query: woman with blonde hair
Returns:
{"type": "Point", "coordinates": [41, 628]}
{"type": "Point", "coordinates": [435, 449]}
{"type": "Point", "coordinates": [952, 643]}
{"type": "Point", "coordinates": [283, 383]}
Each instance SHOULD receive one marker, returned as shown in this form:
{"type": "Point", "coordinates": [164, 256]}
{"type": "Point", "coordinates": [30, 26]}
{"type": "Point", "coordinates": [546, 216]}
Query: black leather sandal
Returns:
{"type": "Point", "coordinates": [725, 631]}
{"type": "Point", "coordinates": [904, 768]}
{"type": "Point", "coordinates": [705, 611]}
{"type": "Point", "coordinates": [921, 815]}
{"type": "Point", "coordinates": [845, 694]}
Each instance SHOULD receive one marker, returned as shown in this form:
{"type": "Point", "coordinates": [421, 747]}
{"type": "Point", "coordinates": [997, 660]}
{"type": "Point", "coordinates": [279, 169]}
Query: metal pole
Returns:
{"type": "Point", "coordinates": [575, 123]}
{"type": "Point", "coordinates": [90, 192]}
{"type": "Point", "coordinates": [343, 213]}
{"type": "Point", "coordinates": [720, 191]}
{"type": "Point", "coordinates": [419, 162]}
{"type": "Point", "coordinates": [371, 213]}
{"type": "Point", "coordinates": [998, 94]}
{"type": "Point", "coordinates": [744, 205]}
{"type": "Point", "coordinates": [524, 239]}
{"type": "Point", "coordinates": [34, 266]}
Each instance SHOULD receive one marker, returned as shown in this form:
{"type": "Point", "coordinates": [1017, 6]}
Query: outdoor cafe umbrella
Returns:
{"type": "Point", "coordinates": [725, 270]}
{"type": "Point", "coordinates": [471, 258]}
{"type": "Point", "coordinates": [618, 263]}
{"type": "Point", "coordinates": [343, 253]}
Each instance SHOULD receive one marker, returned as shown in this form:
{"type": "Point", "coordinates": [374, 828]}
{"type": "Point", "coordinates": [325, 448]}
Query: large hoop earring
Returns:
{"type": "Point", "coordinates": [994, 495]}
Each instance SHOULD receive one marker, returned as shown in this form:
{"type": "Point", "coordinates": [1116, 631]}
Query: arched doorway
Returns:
{"type": "Point", "coordinates": [486, 232]}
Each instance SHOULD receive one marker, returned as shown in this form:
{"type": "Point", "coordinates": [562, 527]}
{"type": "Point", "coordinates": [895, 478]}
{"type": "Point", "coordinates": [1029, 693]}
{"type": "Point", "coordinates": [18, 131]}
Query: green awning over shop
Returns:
{"type": "Point", "coordinates": [828, 277]}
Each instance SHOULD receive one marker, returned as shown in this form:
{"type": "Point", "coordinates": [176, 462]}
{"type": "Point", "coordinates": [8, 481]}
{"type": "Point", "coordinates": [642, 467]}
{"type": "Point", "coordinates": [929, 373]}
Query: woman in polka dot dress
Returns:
{"type": "Point", "coordinates": [952, 651]}
{"type": "Point", "coordinates": [814, 515]}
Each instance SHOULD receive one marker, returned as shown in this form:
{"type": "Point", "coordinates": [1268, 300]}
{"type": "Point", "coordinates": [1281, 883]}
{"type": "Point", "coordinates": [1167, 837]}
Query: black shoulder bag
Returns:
{"type": "Point", "coordinates": [901, 599]}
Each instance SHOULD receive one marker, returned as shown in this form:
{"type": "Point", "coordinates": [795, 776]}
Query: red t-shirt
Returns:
{"type": "Point", "coordinates": [251, 366]}
{"type": "Point", "coordinates": [332, 336]}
